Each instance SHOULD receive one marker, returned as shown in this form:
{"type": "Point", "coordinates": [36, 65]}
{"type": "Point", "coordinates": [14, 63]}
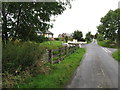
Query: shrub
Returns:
{"type": "Point", "coordinates": [83, 40]}
{"type": "Point", "coordinates": [57, 39]}
{"type": "Point", "coordinates": [39, 39]}
{"type": "Point", "coordinates": [19, 57]}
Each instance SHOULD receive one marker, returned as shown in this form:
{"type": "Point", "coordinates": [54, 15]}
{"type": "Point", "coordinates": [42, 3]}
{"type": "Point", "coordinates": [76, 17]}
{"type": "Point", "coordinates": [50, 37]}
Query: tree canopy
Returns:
{"type": "Point", "coordinates": [77, 35]}
{"type": "Point", "coordinates": [23, 19]}
{"type": "Point", "coordinates": [89, 36]}
{"type": "Point", "coordinates": [110, 25]}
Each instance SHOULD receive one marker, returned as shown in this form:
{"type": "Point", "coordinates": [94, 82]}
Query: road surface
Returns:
{"type": "Point", "coordinates": [97, 70]}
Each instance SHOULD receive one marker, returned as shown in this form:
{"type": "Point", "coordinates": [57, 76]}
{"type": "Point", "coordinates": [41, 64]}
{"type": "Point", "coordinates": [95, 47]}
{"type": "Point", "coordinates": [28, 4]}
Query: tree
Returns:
{"type": "Point", "coordinates": [100, 37]}
{"type": "Point", "coordinates": [66, 39]}
{"type": "Point", "coordinates": [89, 36]}
{"type": "Point", "coordinates": [22, 19]}
{"type": "Point", "coordinates": [109, 26]}
{"type": "Point", "coordinates": [78, 35]}
{"type": "Point", "coordinates": [96, 35]}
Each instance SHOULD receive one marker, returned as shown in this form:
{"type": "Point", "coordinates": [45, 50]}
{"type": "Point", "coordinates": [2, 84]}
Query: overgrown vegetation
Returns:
{"type": "Point", "coordinates": [60, 73]}
{"type": "Point", "coordinates": [107, 43]}
{"type": "Point", "coordinates": [116, 55]}
{"type": "Point", "coordinates": [19, 58]}
{"type": "Point", "coordinates": [23, 59]}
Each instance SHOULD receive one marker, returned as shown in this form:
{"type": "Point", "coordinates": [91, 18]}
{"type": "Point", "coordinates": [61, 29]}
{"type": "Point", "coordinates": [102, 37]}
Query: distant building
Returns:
{"type": "Point", "coordinates": [63, 35]}
{"type": "Point", "coordinates": [47, 34]}
{"type": "Point", "coordinates": [60, 36]}
{"type": "Point", "coordinates": [39, 33]}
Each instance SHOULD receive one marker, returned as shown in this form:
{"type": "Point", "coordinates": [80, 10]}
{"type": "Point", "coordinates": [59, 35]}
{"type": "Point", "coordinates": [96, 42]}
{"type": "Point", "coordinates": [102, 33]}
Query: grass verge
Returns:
{"type": "Point", "coordinates": [116, 55]}
{"type": "Point", "coordinates": [107, 43]}
{"type": "Point", "coordinates": [60, 73]}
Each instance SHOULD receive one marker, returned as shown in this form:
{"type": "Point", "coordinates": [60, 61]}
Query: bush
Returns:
{"type": "Point", "coordinates": [57, 39]}
{"type": "Point", "coordinates": [83, 40]}
{"type": "Point", "coordinates": [19, 57]}
{"type": "Point", "coordinates": [39, 39]}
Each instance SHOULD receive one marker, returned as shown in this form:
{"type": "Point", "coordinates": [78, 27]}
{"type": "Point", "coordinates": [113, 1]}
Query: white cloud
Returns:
{"type": "Point", "coordinates": [85, 16]}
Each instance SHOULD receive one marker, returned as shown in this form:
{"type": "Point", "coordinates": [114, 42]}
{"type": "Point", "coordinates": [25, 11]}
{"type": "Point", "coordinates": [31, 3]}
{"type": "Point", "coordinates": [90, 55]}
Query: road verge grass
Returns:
{"type": "Point", "coordinates": [116, 55]}
{"type": "Point", "coordinates": [60, 73]}
{"type": "Point", "coordinates": [107, 43]}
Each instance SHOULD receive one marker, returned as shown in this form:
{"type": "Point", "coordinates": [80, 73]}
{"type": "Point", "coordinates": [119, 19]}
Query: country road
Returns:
{"type": "Point", "coordinates": [97, 69]}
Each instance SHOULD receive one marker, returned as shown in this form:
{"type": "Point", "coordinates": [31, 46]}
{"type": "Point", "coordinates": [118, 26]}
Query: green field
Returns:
{"type": "Point", "coordinates": [60, 73]}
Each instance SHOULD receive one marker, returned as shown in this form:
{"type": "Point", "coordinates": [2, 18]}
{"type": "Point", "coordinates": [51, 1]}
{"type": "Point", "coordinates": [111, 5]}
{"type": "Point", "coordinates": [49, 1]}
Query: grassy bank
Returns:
{"type": "Point", "coordinates": [60, 73]}
{"type": "Point", "coordinates": [116, 55]}
{"type": "Point", "coordinates": [107, 43]}
{"type": "Point", "coordinates": [52, 44]}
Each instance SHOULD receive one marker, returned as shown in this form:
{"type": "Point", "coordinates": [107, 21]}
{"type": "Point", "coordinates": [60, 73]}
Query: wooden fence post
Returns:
{"type": "Point", "coordinates": [73, 49]}
{"type": "Point", "coordinates": [65, 50]}
{"type": "Point", "coordinates": [59, 55]}
{"type": "Point", "coordinates": [51, 56]}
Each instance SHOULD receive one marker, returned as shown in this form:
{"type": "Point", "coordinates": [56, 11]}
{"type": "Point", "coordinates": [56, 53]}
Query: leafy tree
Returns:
{"type": "Point", "coordinates": [109, 26]}
{"type": "Point", "coordinates": [22, 19]}
{"type": "Point", "coordinates": [89, 36]}
{"type": "Point", "coordinates": [66, 39]}
{"type": "Point", "coordinates": [100, 37]}
{"type": "Point", "coordinates": [78, 35]}
{"type": "Point", "coordinates": [96, 35]}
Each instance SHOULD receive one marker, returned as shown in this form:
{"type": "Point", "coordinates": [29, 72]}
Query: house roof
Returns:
{"type": "Point", "coordinates": [48, 32]}
{"type": "Point", "coordinates": [39, 32]}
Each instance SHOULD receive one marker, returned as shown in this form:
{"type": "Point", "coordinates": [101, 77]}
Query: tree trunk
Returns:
{"type": "Point", "coordinates": [18, 21]}
{"type": "Point", "coordinates": [4, 25]}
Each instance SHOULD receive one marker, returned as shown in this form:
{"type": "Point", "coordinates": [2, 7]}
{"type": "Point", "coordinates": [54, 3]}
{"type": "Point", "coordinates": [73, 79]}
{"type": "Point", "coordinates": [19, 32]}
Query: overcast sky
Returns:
{"type": "Point", "coordinates": [84, 15]}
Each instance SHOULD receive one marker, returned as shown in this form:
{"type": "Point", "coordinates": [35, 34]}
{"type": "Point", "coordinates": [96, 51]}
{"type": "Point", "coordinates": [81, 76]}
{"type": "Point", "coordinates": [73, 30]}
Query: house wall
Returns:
{"type": "Point", "coordinates": [48, 35]}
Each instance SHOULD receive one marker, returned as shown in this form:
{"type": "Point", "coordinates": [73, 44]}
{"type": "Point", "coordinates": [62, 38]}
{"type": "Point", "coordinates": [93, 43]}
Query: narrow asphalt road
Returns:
{"type": "Point", "coordinates": [97, 70]}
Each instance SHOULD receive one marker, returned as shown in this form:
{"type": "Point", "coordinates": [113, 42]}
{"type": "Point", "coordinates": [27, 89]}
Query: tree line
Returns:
{"type": "Point", "coordinates": [79, 36]}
